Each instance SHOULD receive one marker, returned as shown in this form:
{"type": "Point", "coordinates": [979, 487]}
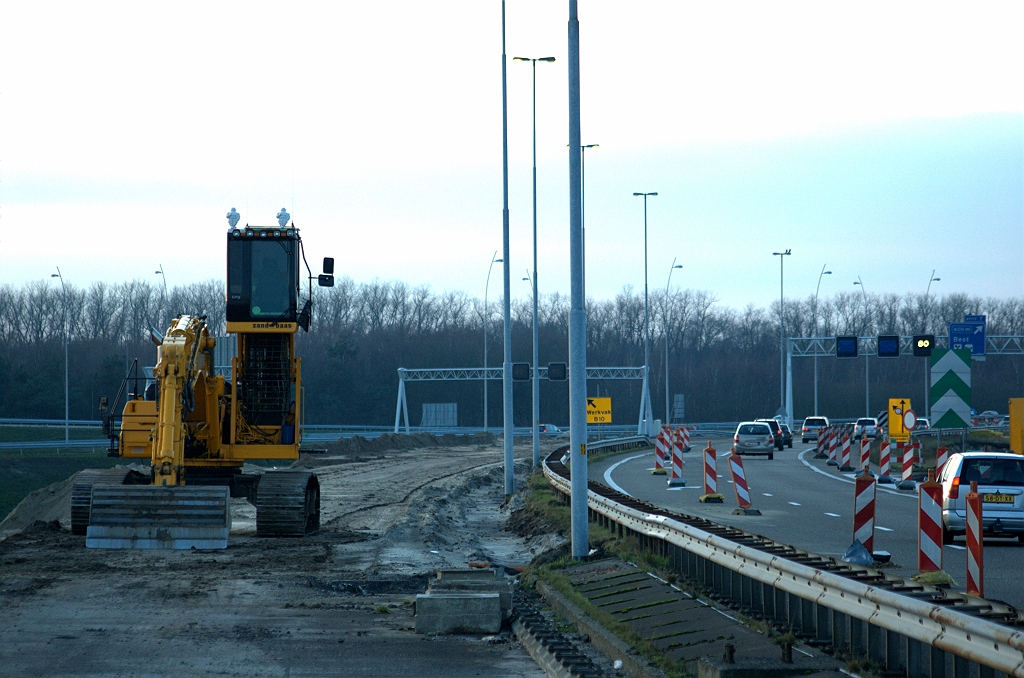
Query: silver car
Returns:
{"type": "Point", "coordinates": [865, 426]}
{"type": "Point", "coordinates": [753, 437]}
{"type": "Point", "coordinates": [811, 427]}
{"type": "Point", "coordinates": [1000, 478]}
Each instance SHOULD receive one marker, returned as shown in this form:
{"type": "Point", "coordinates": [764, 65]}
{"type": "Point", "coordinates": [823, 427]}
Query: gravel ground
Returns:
{"type": "Point", "coordinates": [335, 603]}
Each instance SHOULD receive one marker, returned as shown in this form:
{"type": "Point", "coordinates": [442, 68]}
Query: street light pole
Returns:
{"type": "Point", "coordinates": [647, 415]}
{"type": "Point", "coordinates": [583, 205]}
{"type": "Point", "coordinates": [536, 335]}
{"type": "Point", "coordinates": [782, 327]}
{"type": "Point", "coordinates": [867, 382]}
{"type": "Point", "coordinates": [67, 399]}
{"type": "Point", "coordinates": [506, 366]}
{"type": "Point", "coordinates": [816, 290]}
{"type": "Point", "coordinates": [161, 274]}
{"type": "Point", "coordinates": [494, 260]}
{"type": "Point", "coordinates": [927, 363]}
{"type": "Point", "coordinates": [668, 412]}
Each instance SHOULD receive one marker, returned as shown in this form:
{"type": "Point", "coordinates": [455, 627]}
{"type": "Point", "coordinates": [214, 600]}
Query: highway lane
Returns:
{"type": "Point", "coordinates": [809, 505]}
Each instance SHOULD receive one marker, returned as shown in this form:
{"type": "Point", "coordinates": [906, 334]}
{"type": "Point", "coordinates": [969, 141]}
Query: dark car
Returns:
{"type": "Point", "coordinates": [777, 433]}
{"type": "Point", "coordinates": [787, 436]}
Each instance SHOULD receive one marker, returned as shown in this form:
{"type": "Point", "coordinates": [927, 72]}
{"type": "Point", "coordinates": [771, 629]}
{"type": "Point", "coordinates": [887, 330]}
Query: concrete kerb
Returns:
{"type": "Point", "coordinates": [613, 647]}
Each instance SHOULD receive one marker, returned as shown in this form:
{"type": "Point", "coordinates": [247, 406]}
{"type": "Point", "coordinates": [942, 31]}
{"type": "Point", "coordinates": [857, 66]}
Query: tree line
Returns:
{"type": "Point", "coordinates": [726, 361]}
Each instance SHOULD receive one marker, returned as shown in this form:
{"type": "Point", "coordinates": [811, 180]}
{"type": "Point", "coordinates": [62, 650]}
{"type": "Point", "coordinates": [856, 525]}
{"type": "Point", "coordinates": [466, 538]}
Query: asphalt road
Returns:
{"type": "Point", "coordinates": [809, 505]}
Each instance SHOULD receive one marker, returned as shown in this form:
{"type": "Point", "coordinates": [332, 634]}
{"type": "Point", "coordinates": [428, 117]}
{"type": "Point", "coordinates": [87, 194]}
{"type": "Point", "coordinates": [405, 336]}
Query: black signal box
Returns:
{"type": "Point", "coordinates": [558, 371]}
{"type": "Point", "coordinates": [520, 371]}
{"type": "Point", "coordinates": [888, 346]}
{"type": "Point", "coordinates": [923, 345]}
{"type": "Point", "coordinates": [846, 347]}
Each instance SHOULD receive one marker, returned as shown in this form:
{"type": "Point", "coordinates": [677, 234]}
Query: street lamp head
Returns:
{"type": "Point", "coordinates": [936, 280]}
{"type": "Point", "coordinates": [54, 275]}
{"type": "Point", "coordinates": [498, 261]}
{"type": "Point", "coordinates": [158, 272]}
{"type": "Point", "coordinates": [592, 146]}
{"type": "Point", "coordinates": [826, 272]}
{"type": "Point", "coordinates": [548, 59]}
{"type": "Point", "coordinates": [678, 266]}
{"type": "Point", "coordinates": [857, 282]}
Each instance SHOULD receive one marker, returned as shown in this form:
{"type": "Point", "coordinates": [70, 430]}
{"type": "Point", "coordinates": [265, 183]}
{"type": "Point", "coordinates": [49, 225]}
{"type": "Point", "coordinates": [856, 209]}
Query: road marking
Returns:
{"type": "Point", "coordinates": [957, 546]}
{"type": "Point", "coordinates": [767, 494]}
{"type": "Point", "coordinates": [792, 503]}
{"type": "Point", "coordinates": [608, 473]}
{"type": "Point", "coordinates": [850, 480]}
{"type": "Point", "coordinates": [883, 529]}
{"type": "Point", "coordinates": [834, 515]}
{"type": "Point", "coordinates": [687, 487]}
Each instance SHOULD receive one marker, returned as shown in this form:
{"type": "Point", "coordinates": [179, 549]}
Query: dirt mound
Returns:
{"type": "Point", "coordinates": [47, 505]}
{"type": "Point", "coordinates": [358, 445]}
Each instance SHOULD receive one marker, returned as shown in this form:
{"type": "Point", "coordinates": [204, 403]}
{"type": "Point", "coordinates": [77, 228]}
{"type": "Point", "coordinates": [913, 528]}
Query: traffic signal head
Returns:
{"type": "Point", "coordinates": [520, 371]}
{"type": "Point", "coordinates": [923, 345]}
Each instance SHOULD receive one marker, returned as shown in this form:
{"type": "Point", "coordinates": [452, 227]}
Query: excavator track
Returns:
{"type": "Point", "coordinates": [81, 492]}
{"type": "Point", "coordinates": [287, 504]}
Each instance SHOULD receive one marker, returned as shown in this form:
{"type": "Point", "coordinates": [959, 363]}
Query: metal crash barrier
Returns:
{"type": "Point", "coordinates": [904, 627]}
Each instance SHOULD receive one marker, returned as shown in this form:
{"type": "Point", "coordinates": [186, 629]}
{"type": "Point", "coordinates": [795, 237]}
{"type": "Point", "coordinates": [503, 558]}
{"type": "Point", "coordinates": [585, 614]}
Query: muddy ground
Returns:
{"type": "Point", "coordinates": [335, 603]}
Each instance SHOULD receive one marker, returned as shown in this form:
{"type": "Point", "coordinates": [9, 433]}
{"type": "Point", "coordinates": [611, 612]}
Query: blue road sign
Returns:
{"type": "Point", "coordinates": [974, 319]}
{"type": "Point", "coordinates": [967, 335]}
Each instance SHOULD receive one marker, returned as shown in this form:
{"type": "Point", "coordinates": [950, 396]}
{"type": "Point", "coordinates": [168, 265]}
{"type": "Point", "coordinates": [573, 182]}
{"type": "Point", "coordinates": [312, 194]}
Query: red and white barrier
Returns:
{"type": "Point", "coordinates": [832, 446]}
{"type": "Point", "coordinates": [710, 470]}
{"type": "Point", "coordinates": [676, 475]}
{"type": "Point", "coordinates": [660, 450]}
{"type": "Point", "coordinates": [846, 453]}
{"type": "Point", "coordinates": [941, 457]}
{"type": "Point", "coordinates": [908, 462]}
{"type": "Point", "coordinates": [864, 511]}
{"type": "Point", "coordinates": [684, 436]}
{"type": "Point", "coordinates": [739, 481]}
{"type": "Point", "coordinates": [975, 544]}
{"type": "Point", "coordinates": [929, 526]}
{"type": "Point", "coordinates": [884, 459]}
{"type": "Point", "coordinates": [865, 453]}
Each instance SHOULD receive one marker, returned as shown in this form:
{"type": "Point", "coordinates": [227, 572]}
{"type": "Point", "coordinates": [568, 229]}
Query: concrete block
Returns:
{"type": "Point", "coordinates": [473, 574]}
{"type": "Point", "coordinates": [503, 587]}
{"type": "Point", "coordinates": [443, 613]}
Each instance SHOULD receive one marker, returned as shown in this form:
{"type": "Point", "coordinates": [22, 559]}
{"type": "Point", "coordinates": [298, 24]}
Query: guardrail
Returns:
{"type": "Point", "coordinates": [903, 626]}
{"type": "Point", "coordinates": [52, 444]}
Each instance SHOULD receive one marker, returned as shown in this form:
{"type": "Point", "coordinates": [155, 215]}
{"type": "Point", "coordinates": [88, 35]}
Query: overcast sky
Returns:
{"type": "Point", "coordinates": [882, 139]}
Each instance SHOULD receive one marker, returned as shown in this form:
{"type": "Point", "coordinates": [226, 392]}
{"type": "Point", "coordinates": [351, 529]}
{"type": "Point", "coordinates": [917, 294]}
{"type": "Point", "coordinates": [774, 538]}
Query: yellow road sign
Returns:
{"type": "Point", "coordinates": [898, 408]}
{"type": "Point", "coordinates": [599, 410]}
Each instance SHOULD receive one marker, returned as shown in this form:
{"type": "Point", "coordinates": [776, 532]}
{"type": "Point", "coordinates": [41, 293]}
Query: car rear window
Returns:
{"type": "Point", "coordinates": [754, 430]}
{"type": "Point", "coordinates": [992, 472]}
{"type": "Point", "coordinates": [865, 422]}
{"type": "Point", "coordinates": [814, 422]}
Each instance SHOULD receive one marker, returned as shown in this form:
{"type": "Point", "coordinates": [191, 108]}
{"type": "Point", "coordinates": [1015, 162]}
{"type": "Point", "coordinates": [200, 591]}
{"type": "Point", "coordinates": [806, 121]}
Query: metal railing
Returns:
{"type": "Point", "coordinates": [903, 626]}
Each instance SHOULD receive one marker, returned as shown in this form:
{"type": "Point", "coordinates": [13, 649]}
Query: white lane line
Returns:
{"type": "Point", "coordinates": [792, 503]}
{"type": "Point", "coordinates": [883, 529]}
{"type": "Point", "coordinates": [957, 546]}
{"type": "Point", "coordinates": [608, 473]}
{"type": "Point", "coordinates": [908, 495]}
{"type": "Point", "coordinates": [767, 494]}
{"type": "Point", "coordinates": [834, 515]}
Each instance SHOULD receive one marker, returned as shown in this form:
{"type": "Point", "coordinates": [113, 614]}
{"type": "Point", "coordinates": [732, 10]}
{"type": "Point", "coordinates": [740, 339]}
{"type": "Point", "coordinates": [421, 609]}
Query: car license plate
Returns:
{"type": "Point", "coordinates": [998, 498]}
{"type": "Point", "coordinates": [749, 444]}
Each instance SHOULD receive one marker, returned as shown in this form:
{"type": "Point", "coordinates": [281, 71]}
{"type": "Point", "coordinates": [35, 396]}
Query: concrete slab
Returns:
{"type": "Point", "coordinates": [445, 613]}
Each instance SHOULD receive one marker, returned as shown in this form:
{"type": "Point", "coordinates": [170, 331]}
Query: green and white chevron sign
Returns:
{"type": "Point", "coordinates": [951, 388]}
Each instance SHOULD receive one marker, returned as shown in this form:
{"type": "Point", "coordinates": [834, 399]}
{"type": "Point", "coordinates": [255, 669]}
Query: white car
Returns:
{"type": "Point", "coordinates": [811, 427]}
{"type": "Point", "coordinates": [865, 426]}
{"type": "Point", "coordinates": [1000, 478]}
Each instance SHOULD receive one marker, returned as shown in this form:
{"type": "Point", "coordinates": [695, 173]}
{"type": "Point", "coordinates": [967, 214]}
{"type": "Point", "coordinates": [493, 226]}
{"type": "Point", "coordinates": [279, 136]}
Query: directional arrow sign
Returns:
{"type": "Point", "coordinates": [951, 388]}
{"type": "Point", "coordinates": [599, 410]}
{"type": "Point", "coordinates": [969, 335]}
{"type": "Point", "coordinates": [898, 410]}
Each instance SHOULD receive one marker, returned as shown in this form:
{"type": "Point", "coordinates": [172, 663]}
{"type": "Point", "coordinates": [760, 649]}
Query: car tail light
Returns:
{"type": "Point", "coordinates": [736, 438]}
{"type": "Point", "coordinates": [954, 489]}
{"type": "Point", "coordinates": [770, 440]}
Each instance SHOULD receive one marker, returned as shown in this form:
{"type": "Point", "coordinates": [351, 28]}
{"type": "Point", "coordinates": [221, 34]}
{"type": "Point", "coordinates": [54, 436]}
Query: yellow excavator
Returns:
{"type": "Point", "coordinates": [198, 428]}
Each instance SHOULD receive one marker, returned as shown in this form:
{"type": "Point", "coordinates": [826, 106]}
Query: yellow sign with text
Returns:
{"type": "Point", "coordinates": [599, 410]}
{"type": "Point", "coordinates": [898, 408]}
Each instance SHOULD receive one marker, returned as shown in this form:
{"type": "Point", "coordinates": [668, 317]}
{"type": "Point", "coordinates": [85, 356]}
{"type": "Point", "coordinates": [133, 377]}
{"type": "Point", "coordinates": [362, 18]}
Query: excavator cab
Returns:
{"type": "Point", "coordinates": [204, 426]}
